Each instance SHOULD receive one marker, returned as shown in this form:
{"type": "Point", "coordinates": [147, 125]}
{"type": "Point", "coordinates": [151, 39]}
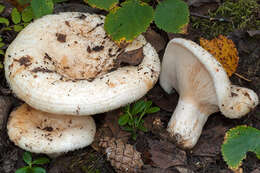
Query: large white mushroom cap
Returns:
{"type": "Point", "coordinates": [204, 88]}
{"type": "Point", "coordinates": [52, 134]}
{"type": "Point", "coordinates": [64, 64]}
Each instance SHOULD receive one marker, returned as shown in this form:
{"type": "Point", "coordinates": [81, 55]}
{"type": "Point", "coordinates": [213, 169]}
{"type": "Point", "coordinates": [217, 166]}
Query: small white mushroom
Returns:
{"type": "Point", "coordinates": [64, 64]}
{"type": "Point", "coordinates": [203, 87]}
{"type": "Point", "coordinates": [51, 134]}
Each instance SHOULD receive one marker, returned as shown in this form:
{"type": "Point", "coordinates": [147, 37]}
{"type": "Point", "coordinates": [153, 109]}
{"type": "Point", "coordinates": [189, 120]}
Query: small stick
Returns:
{"type": "Point", "coordinates": [211, 18]}
{"type": "Point", "coordinates": [242, 77]}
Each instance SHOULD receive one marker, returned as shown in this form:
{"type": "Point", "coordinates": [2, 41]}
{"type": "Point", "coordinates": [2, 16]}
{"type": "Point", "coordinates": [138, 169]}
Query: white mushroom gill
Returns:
{"type": "Point", "coordinates": [204, 88]}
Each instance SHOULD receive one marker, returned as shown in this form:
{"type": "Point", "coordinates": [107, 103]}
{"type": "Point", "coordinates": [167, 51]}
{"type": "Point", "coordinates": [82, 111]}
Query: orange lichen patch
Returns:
{"type": "Point", "coordinates": [224, 50]}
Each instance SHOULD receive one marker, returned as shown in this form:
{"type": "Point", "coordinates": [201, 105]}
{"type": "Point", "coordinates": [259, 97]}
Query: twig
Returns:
{"type": "Point", "coordinates": [220, 19]}
{"type": "Point", "coordinates": [242, 77]}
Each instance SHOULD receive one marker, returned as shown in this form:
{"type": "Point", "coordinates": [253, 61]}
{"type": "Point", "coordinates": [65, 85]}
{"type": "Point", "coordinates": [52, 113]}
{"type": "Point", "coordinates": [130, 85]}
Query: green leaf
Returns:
{"type": "Point", "coordinates": [148, 104]}
{"type": "Point", "coordinates": [142, 128]}
{"type": "Point", "coordinates": [4, 21]}
{"type": "Point", "coordinates": [27, 157]}
{"type": "Point", "coordinates": [102, 4]}
{"type": "Point", "coordinates": [238, 141]}
{"type": "Point", "coordinates": [18, 28]}
{"type": "Point", "coordinates": [41, 161]}
{"type": "Point", "coordinates": [42, 7]}
{"type": "Point", "coordinates": [1, 39]}
{"type": "Point", "coordinates": [152, 110]}
{"type": "Point", "coordinates": [27, 14]}
{"type": "Point", "coordinates": [2, 52]}
{"type": "Point", "coordinates": [134, 136]}
{"type": "Point", "coordinates": [131, 122]}
{"type": "Point", "coordinates": [38, 170]}
{"type": "Point", "coordinates": [2, 8]}
{"type": "Point", "coordinates": [22, 170]}
{"type": "Point", "coordinates": [138, 107]}
{"type": "Point", "coordinates": [58, 1]}
{"type": "Point", "coordinates": [16, 17]}
{"type": "Point", "coordinates": [129, 21]}
{"type": "Point", "coordinates": [172, 15]}
{"type": "Point", "coordinates": [126, 108]}
{"type": "Point", "coordinates": [146, 1]}
{"type": "Point", "coordinates": [1, 44]}
{"type": "Point", "coordinates": [23, 2]}
{"type": "Point", "coordinates": [128, 129]}
{"type": "Point", "coordinates": [123, 120]}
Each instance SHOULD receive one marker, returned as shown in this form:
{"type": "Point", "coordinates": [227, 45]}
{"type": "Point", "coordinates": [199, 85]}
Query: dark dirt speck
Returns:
{"type": "Point", "coordinates": [61, 37]}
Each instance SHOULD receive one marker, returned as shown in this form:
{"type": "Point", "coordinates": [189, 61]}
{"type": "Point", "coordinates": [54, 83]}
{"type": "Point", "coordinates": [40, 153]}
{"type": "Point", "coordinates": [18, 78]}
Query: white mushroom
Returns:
{"type": "Point", "coordinates": [203, 87]}
{"type": "Point", "coordinates": [52, 134]}
{"type": "Point", "coordinates": [64, 64]}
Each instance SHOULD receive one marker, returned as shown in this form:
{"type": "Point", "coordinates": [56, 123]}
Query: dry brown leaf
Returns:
{"type": "Point", "coordinates": [165, 154]}
{"type": "Point", "coordinates": [224, 50]}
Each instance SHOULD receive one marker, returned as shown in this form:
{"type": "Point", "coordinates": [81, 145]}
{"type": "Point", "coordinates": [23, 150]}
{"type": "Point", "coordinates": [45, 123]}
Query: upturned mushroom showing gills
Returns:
{"type": "Point", "coordinates": [66, 64]}
{"type": "Point", "coordinates": [51, 134]}
{"type": "Point", "coordinates": [203, 87]}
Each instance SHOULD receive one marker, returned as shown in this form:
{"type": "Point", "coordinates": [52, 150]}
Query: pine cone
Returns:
{"type": "Point", "coordinates": [123, 157]}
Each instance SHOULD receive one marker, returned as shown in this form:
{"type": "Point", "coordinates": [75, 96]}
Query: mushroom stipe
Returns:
{"type": "Point", "coordinates": [204, 88]}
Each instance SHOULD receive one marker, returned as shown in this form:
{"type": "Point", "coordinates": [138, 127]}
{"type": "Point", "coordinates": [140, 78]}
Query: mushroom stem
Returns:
{"type": "Point", "coordinates": [186, 124]}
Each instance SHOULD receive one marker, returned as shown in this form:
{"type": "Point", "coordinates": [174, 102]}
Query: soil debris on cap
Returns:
{"type": "Point", "coordinates": [24, 61]}
{"type": "Point", "coordinates": [47, 56]}
{"type": "Point", "coordinates": [40, 69]}
{"type": "Point", "coordinates": [98, 48]}
{"type": "Point", "coordinates": [61, 37]}
{"type": "Point", "coordinates": [134, 57]}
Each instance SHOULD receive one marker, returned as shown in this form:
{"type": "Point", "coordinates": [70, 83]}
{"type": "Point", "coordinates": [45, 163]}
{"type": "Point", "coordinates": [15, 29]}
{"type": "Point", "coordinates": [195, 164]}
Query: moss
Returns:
{"type": "Point", "coordinates": [231, 14]}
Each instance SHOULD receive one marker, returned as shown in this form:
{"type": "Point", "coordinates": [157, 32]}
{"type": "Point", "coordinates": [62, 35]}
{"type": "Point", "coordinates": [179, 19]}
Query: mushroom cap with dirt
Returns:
{"type": "Point", "coordinates": [204, 88]}
{"type": "Point", "coordinates": [66, 64]}
{"type": "Point", "coordinates": [51, 134]}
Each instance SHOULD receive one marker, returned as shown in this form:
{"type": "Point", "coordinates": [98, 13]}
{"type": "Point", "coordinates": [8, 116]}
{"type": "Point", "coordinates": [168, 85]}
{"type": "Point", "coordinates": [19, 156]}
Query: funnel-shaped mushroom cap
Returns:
{"type": "Point", "coordinates": [42, 132]}
{"type": "Point", "coordinates": [204, 88]}
{"type": "Point", "coordinates": [65, 64]}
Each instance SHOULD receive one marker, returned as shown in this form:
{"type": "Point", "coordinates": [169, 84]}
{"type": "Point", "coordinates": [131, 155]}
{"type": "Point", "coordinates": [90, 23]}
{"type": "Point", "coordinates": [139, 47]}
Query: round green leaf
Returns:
{"type": "Point", "coordinates": [238, 141]}
{"type": "Point", "coordinates": [2, 8]}
{"type": "Point", "coordinates": [16, 17]}
{"type": "Point", "coordinates": [172, 15]}
{"type": "Point", "coordinates": [27, 157]}
{"type": "Point", "coordinates": [129, 21]}
{"type": "Point", "coordinates": [42, 7]}
{"type": "Point", "coordinates": [41, 161]}
{"type": "Point", "coordinates": [123, 120]}
{"type": "Point", "coordinates": [4, 21]}
{"type": "Point", "coordinates": [102, 4]}
{"type": "Point", "coordinates": [27, 14]}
